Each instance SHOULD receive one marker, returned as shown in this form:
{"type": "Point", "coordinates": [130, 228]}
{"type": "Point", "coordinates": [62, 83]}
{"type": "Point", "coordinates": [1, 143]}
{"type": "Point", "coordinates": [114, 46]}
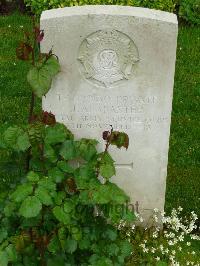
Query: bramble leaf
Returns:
{"type": "Point", "coordinates": [43, 196]}
{"type": "Point", "coordinates": [57, 133]}
{"type": "Point", "coordinates": [107, 170]}
{"type": "Point", "coordinates": [49, 153]}
{"type": "Point", "coordinates": [54, 244]}
{"type": "Point", "coordinates": [3, 234]}
{"type": "Point", "coordinates": [33, 177]}
{"type": "Point", "coordinates": [3, 258]}
{"type": "Point", "coordinates": [30, 207]}
{"type": "Point", "coordinates": [22, 192]}
{"type": "Point", "coordinates": [65, 167]}
{"type": "Point", "coordinates": [70, 245]}
{"type": "Point", "coordinates": [119, 139]}
{"type": "Point", "coordinates": [60, 215]}
{"type": "Point", "coordinates": [56, 174]}
{"type": "Point", "coordinates": [126, 248]}
{"type": "Point", "coordinates": [16, 138]}
{"type": "Point", "coordinates": [11, 252]}
{"type": "Point", "coordinates": [52, 66]}
{"type": "Point", "coordinates": [39, 80]}
{"type": "Point", "coordinates": [40, 76]}
{"type": "Point", "coordinates": [68, 150]}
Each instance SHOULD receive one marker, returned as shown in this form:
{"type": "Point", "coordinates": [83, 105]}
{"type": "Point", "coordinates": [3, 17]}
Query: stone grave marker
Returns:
{"type": "Point", "coordinates": [117, 68]}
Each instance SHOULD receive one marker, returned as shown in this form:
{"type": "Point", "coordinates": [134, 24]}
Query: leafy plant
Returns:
{"type": "Point", "coordinates": [190, 11]}
{"type": "Point", "coordinates": [37, 6]}
{"type": "Point", "coordinates": [176, 242]}
{"type": "Point", "coordinates": [65, 209]}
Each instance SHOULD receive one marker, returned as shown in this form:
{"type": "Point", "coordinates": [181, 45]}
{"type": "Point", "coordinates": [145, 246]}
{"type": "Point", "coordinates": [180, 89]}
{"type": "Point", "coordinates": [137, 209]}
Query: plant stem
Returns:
{"type": "Point", "coordinates": [32, 103]}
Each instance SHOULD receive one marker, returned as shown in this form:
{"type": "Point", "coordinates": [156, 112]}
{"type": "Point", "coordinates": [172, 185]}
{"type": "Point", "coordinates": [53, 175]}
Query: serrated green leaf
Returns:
{"type": "Point", "coordinates": [22, 192]}
{"type": "Point", "coordinates": [109, 193]}
{"type": "Point", "coordinates": [3, 258]}
{"type": "Point", "coordinates": [56, 261]}
{"type": "Point", "coordinates": [111, 234]}
{"type": "Point", "coordinates": [47, 183]}
{"type": "Point", "coordinates": [23, 142]}
{"type": "Point", "coordinates": [52, 66]}
{"type": "Point", "coordinates": [59, 197]}
{"type": "Point", "coordinates": [54, 245]}
{"type": "Point", "coordinates": [126, 248]}
{"type": "Point", "coordinates": [95, 260]}
{"type": "Point", "coordinates": [84, 243]}
{"type": "Point", "coordinates": [11, 252]}
{"type": "Point", "coordinates": [76, 233]}
{"type": "Point", "coordinates": [86, 148]}
{"type": "Point", "coordinates": [112, 249]}
{"type": "Point", "coordinates": [56, 174]}
{"type": "Point", "coordinates": [60, 215]}
{"type": "Point", "coordinates": [9, 209]}
{"type": "Point", "coordinates": [3, 234]}
{"type": "Point", "coordinates": [57, 133]}
{"type": "Point", "coordinates": [69, 206]}
{"type": "Point", "coordinates": [39, 80]}
{"type": "Point", "coordinates": [33, 177]}
{"type": "Point", "coordinates": [49, 153]}
{"type": "Point", "coordinates": [65, 167]}
{"type": "Point", "coordinates": [70, 245]}
{"type": "Point", "coordinates": [68, 150]}
{"type": "Point", "coordinates": [16, 138]}
{"type": "Point", "coordinates": [107, 170]}
{"type": "Point", "coordinates": [43, 196]}
{"type": "Point", "coordinates": [129, 216]}
{"type": "Point", "coordinates": [30, 207]}
{"type": "Point", "coordinates": [106, 158]}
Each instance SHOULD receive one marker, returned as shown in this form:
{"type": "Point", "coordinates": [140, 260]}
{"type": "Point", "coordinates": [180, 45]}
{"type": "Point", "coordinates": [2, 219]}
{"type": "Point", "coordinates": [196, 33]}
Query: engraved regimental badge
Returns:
{"type": "Point", "coordinates": [107, 57]}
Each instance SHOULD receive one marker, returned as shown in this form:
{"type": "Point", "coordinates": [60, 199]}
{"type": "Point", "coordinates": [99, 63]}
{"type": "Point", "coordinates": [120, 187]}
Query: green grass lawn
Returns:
{"type": "Point", "coordinates": [183, 187]}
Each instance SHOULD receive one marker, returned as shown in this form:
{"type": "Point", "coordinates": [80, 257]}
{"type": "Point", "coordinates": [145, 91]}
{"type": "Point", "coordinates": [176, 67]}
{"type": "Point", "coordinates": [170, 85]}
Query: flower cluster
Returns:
{"type": "Point", "coordinates": [169, 239]}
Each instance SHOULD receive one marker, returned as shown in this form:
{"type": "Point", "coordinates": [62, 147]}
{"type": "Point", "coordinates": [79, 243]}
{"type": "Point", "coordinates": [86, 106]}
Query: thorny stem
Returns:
{"type": "Point", "coordinates": [32, 103]}
{"type": "Point", "coordinates": [108, 142]}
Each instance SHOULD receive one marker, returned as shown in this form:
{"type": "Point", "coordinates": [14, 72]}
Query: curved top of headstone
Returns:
{"type": "Point", "coordinates": [110, 10]}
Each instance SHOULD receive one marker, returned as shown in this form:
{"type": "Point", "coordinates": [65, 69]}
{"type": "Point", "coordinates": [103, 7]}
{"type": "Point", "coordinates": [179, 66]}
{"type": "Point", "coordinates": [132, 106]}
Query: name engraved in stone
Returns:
{"type": "Point", "coordinates": [124, 112]}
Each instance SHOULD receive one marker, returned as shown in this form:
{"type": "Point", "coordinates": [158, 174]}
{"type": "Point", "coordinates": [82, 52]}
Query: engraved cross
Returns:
{"type": "Point", "coordinates": [124, 165]}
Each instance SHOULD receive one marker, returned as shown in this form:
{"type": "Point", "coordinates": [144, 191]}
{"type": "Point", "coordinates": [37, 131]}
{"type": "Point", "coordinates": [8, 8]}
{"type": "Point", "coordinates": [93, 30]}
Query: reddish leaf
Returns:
{"type": "Point", "coordinates": [23, 51]}
{"type": "Point", "coordinates": [119, 139]}
{"type": "Point", "coordinates": [72, 188]}
{"type": "Point", "coordinates": [106, 135]}
{"type": "Point", "coordinates": [48, 118]}
{"type": "Point", "coordinates": [39, 34]}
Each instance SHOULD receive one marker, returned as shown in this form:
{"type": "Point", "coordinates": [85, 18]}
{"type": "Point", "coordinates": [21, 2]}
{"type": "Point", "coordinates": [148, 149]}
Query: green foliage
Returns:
{"type": "Point", "coordinates": [190, 11]}
{"type": "Point", "coordinates": [16, 138]}
{"type": "Point", "coordinates": [37, 6]}
{"type": "Point", "coordinates": [58, 204]}
{"type": "Point", "coordinates": [52, 216]}
{"type": "Point", "coordinates": [40, 76]}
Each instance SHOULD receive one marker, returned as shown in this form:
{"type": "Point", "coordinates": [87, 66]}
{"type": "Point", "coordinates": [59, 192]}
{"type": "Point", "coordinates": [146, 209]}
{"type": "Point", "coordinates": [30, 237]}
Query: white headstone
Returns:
{"type": "Point", "coordinates": [117, 68]}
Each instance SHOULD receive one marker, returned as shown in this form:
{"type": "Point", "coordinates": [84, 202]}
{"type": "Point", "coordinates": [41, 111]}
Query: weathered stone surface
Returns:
{"type": "Point", "coordinates": [117, 68]}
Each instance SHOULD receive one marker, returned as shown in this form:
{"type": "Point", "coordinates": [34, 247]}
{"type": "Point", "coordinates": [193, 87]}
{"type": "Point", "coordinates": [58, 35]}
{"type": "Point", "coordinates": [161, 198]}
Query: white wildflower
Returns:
{"type": "Point", "coordinates": [141, 219]}
{"type": "Point", "coordinates": [173, 252]}
{"type": "Point", "coordinates": [180, 208]}
{"type": "Point", "coordinates": [153, 250]}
